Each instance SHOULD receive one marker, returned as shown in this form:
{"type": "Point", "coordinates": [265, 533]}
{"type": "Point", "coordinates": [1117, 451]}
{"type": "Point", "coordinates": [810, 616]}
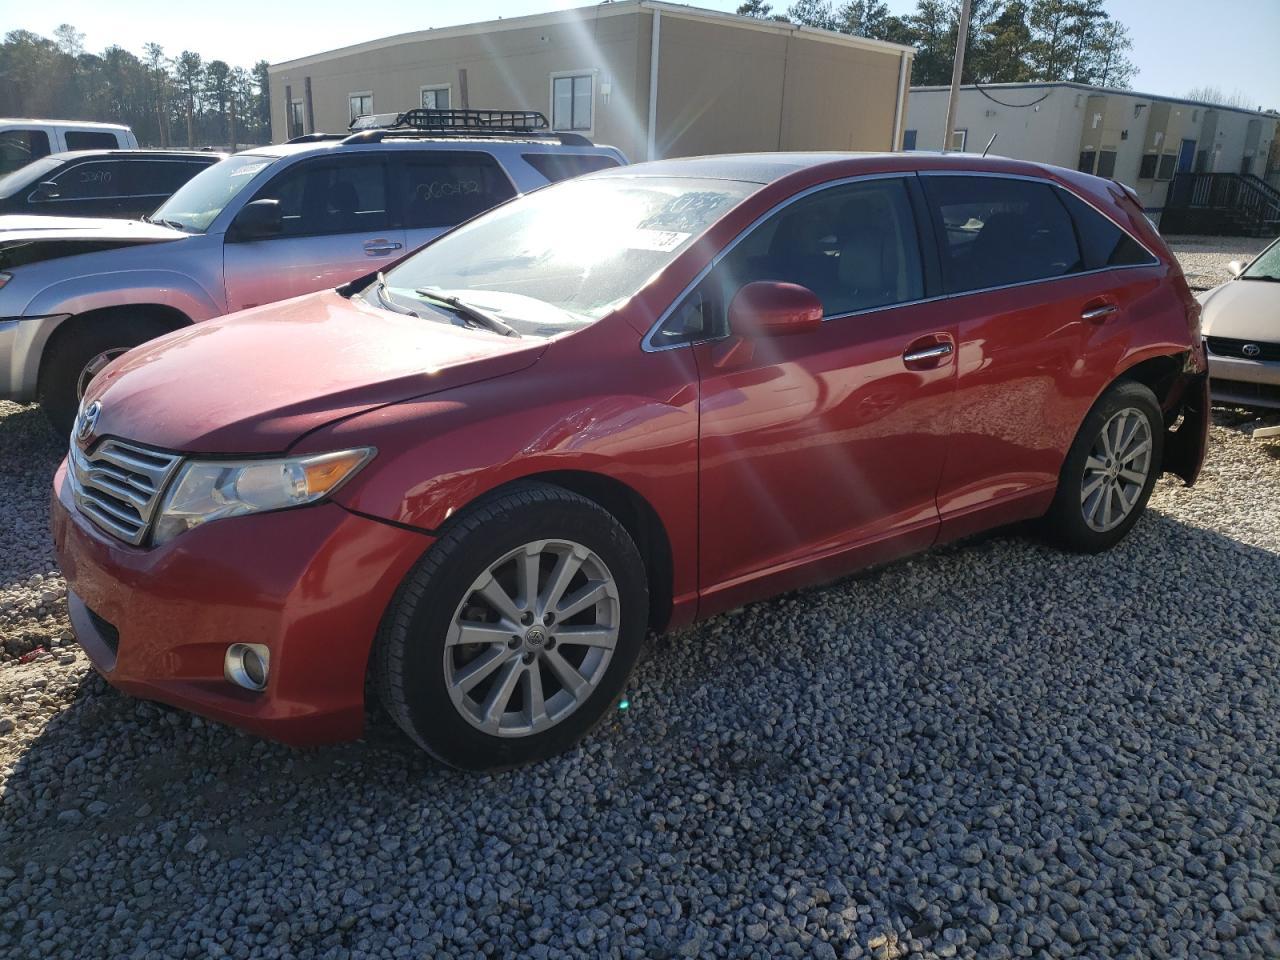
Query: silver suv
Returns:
{"type": "Point", "coordinates": [260, 226]}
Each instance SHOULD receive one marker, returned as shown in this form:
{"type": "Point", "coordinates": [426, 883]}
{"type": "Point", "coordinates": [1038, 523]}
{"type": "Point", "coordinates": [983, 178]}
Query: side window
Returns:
{"type": "Point", "coordinates": [855, 246]}
{"type": "Point", "coordinates": [20, 147]}
{"type": "Point", "coordinates": [444, 188]}
{"type": "Point", "coordinates": [91, 140]}
{"type": "Point", "coordinates": [1102, 242]}
{"type": "Point", "coordinates": [96, 179]}
{"type": "Point", "coordinates": [565, 166]}
{"type": "Point", "coordinates": [996, 231]}
{"type": "Point", "coordinates": [321, 197]}
{"type": "Point", "coordinates": [158, 178]}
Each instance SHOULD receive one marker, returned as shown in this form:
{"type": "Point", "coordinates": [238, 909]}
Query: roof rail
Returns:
{"type": "Point", "coordinates": [458, 123]}
{"type": "Point", "coordinates": [316, 137]}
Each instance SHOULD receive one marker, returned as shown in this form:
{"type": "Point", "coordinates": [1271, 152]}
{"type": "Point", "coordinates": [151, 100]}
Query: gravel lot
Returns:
{"type": "Point", "coordinates": [993, 750]}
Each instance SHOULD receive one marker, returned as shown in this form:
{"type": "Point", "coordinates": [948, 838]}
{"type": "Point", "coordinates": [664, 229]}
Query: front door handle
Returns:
{"type": "Point", "coordinates": [927, 355]}
{"type": "Point", "coordinates": [378, 248]}
{"type": "Point", "coordinates": [1098, 313]}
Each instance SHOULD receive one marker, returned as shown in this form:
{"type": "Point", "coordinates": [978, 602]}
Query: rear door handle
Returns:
{"type": "Point", "coordinates": [378, 248]}
{"type": "Point", "coordinates": [926, 354]}
{"type": "Point", "coordinates": [1099, 313]}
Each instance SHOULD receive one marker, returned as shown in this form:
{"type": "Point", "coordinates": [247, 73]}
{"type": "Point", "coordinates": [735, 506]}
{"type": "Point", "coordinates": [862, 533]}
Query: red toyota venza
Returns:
{"type": "Point", "coordinates": [617, 404]}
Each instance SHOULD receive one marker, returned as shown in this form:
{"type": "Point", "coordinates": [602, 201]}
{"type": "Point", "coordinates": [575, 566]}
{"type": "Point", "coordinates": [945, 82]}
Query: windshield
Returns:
{"type": "Point", "coordinates": [566, 255]}
{"type": "Point", "coordinates": [1267, 266]}
{"type": "Point", "coordinates": [199, 201]}
{"type": "Point", "coordinates": [34, 172]}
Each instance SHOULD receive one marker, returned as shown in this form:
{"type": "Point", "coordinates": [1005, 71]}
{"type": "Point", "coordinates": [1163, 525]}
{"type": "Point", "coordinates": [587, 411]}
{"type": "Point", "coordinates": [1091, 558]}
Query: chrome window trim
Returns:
{"type": "Point", "coordinates": [648, 346]}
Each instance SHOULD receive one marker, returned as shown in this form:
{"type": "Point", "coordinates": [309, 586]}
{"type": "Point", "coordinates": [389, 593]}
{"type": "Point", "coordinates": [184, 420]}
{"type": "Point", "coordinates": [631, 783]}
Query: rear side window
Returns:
{"type": "Point", "coordinates": [91, 140]}
{"type": "Point", "coordinates": [996, 231]}
{"type": "Point", "coordinates": [325, 197]}
{"type": "Point", "coordinates": [565, 166]}
{"type": "Point", "coordinates": [445, 188]}
{"type": "Point", "coordinates": [159, 178]}
{"type": "Point", "coordinates": [20, 147]}
{"type": "Point", "coordinates": [1101, 241]}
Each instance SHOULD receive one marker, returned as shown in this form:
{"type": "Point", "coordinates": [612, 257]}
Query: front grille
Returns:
{"type": "Point", "coordinates": [118, 486]}
{"type": "Point", "coordinates": [1242, 391]}
{"type": "Point", "coordinates": [1227, 347]}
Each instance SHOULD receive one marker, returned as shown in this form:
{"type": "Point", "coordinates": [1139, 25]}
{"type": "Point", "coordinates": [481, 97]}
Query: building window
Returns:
{"type": "Point", "coordinates": [571, 102]}
{"type": "Point", "coordinates": [361, 105]}
{"type": "Point", "coordinates": [1147, 168]}
{"type": "Point", "coordinates": [296, 126]}
{"type": "Point", "coordinates": [1167, 161]}
{"type": "Point", "coordinates": [958, 139]}
{"type": "Point", "coordinates": [1087, 158]}
{"type": "Point", "coordinates": [1106, 163]}
{"type": "Point", "coordinates": [908, 140]}
{"type": "Point", "coordinates": [435, 97]}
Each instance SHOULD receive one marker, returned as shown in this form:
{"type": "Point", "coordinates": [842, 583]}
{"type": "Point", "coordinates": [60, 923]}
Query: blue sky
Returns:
{"type": "Point", "coordinates": [1178, 44]}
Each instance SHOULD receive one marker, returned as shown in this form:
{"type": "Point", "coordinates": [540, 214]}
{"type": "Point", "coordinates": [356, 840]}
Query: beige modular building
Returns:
{"type": "Point", "coordinates": [653, 79]}
{"type": "Point", "coordinates": [1139, 139]}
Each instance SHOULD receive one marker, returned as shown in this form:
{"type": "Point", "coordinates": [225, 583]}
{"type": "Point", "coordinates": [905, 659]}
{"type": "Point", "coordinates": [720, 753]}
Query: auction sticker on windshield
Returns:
{"type": "Point", "coordinates": [661, 241]}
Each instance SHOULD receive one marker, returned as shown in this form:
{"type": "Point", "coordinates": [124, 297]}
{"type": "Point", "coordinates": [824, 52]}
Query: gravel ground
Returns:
{"type": "Point", "coordinates": [1204, 259]}
{"type": "Point", "coordinates": [992, 750]}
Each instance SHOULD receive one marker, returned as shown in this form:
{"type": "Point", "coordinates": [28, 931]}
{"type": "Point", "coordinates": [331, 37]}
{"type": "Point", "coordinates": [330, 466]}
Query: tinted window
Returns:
{"type": "Point", "coordinates": [443, 189]}
{"type": "Point", "coordinates": [325, 197]}
{"type": "Point", "coordinates": [1147, 168]}
{"type": "Point", "coordinates": [90, 180]}
{"type": "Point", "coordinates": [159, 178]}
{"type": "Point", "coordinates": [1103, 243]}
{"type": "Point", "coordinates": [565, 166]}
{"type": "Point", "coordinates": [20, 147]}
{"type": "Point", "coordinates": [996, 231]}
{"type": "Point", "coordinates": [1107, 163]}
{"type": "Point", "coordinates": [91, 140]}
{"type": "Point", "coordinates": [1087, 158]}
{"type": "Point", "coordinates": [855, 246]}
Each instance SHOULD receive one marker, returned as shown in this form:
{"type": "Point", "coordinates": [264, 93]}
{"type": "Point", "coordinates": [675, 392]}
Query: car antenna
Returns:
{"type": "Point", "coordinates": [989, 143]}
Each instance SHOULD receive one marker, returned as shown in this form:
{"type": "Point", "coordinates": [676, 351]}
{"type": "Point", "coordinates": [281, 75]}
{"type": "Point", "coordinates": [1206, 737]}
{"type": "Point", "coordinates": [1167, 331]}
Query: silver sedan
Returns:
{"type": "Point", "coordinates": [1241, 325]}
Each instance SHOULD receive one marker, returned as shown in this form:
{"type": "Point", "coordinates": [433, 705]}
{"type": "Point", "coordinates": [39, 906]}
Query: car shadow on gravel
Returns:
{"type": "Point", "coordinates": [1012, 744]}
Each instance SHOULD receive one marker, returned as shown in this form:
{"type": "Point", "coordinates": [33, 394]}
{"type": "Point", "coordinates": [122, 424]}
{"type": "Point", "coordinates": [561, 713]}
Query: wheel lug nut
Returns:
{"type": "Point", "coordinates": [551, 643]}
{"type": "Point", "coordinates": [549, 619]}
{"type": "Point", "coordinates": [528, 657]}
{"type": "Point", "coordinates": [513, 642]}
{"type": "Point", "coordinates": [526, 618]}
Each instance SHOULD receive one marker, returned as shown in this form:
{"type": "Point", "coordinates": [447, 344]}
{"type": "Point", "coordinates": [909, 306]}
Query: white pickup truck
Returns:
{"type": "Point", "coordinates": [22, 141]}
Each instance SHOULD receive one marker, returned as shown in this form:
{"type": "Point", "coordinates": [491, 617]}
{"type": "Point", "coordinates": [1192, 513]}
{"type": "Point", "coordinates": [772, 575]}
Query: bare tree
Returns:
{"type": "Point", "coordinates": [1210, 94]}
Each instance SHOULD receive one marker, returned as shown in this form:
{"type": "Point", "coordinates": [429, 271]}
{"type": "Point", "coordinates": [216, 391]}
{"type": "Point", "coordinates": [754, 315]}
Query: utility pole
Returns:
{"type": "Point", "coordinates": [954, 100]}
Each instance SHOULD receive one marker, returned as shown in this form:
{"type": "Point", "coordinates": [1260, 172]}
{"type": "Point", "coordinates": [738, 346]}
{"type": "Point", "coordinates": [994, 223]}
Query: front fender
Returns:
{"type": "Point", "coordinates": [94, 291]}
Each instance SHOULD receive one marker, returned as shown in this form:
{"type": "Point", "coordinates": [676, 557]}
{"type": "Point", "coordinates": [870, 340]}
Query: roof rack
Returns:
{"type": "Point", "coordinates": [454, 123]}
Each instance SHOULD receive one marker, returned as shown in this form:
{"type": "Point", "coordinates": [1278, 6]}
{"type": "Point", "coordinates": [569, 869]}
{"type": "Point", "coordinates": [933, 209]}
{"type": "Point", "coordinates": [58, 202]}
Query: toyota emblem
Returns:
{"type": "Point", "coordinates": [1251, 349]}
{"type": "Point", "coordinates": [88, 421]}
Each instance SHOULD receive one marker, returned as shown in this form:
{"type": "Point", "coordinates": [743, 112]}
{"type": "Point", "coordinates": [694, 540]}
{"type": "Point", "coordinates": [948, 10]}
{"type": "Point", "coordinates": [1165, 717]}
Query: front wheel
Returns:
{"type": "Point", "coordinates": [515, 632]}
{"type": "Point", "coordinates": [1110, 470]}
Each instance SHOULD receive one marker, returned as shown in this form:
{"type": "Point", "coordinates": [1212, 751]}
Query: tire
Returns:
{"type": "Point", "coordinates": [422, 663]}
{"type": "Point", "coordinates": [1100, 496]}
{"type": "Point", "coordinates": [88, 339]}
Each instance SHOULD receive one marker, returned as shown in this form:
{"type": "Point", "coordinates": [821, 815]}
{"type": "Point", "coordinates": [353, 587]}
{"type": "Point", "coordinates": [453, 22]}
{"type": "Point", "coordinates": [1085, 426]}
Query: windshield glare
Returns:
{"type": "Point", "coordinates": [1267, 266]}
{"type": "Point", "coordinates": [199, 201]}
{"type": "Point", "coordinates": [29, 175]}
{"type": "Point", "coordinates": [567, 255]}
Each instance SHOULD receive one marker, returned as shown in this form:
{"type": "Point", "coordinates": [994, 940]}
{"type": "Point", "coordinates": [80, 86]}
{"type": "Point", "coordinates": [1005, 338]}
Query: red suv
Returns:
{"type": "Point", "coordinates": [616, 404]}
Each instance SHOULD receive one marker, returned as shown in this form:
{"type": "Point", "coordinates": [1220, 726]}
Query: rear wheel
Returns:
{"type": "Point", "coordinates": [1110, 470]}
{"type": "Point", "coordinates": [515, 632]}
{"type": "Point", "coordinates": [79, 354]}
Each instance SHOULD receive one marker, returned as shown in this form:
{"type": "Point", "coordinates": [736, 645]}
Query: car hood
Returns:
{"type": "Point", "coordinates": [18, 227]}
{"type": "Point", "coordinates": [254, 382]}
{"type": "Point", "coordinates": [1242, 310]}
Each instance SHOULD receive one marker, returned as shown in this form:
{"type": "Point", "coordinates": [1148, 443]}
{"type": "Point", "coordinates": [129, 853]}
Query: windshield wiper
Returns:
{"type": "Point", "coordinates": [1259, 276]}
{"type": "Point", "coordinates": [475, 314]}
{"type": "Point", "coordinates": [390, 304]}
{"type": "Point", "coordinates": [176, 224]}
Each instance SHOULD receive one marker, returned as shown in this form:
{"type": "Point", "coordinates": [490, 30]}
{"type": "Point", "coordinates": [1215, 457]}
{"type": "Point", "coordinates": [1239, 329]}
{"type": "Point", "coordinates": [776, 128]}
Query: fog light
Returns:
{"type": "Point", "coordinates": [246, 665]}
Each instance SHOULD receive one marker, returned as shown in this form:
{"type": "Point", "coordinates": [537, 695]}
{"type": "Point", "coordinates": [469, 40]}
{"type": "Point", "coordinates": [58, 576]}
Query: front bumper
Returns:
{"type": "Point", "coordinates": [311, 584]}
{"type": "Point", "coordinates": [1252, 383]}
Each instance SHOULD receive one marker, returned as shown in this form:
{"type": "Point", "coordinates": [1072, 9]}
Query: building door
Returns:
{"type": "Point", "coordinates": [1186, 155]}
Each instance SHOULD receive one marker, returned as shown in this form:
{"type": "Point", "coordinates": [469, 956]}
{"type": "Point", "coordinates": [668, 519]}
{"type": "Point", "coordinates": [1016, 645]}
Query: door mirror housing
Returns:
{"type": "Point", "coordinates": [45, 191]}
{"type": "Point", "coordinates": [770, 308]}
{"type": "Point", "coordinates": [1236, 267]}
{"type": "Point", "coordinates": [259, 220]}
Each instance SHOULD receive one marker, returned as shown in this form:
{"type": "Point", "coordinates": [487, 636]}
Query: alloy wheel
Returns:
{"type": "Point", "coordinates": [1116, 470]}
{"type": "Point", "coordinates": [532, 639]}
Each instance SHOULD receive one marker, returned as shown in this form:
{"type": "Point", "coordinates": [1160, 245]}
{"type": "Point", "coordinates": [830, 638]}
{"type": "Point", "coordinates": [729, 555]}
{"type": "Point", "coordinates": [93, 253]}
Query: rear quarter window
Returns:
{"type": "Point", "coordinates": [1102, 242]}
{"type": "Point", "coordinates": [565, 166]}
{"type": "Point", "coordinates": [91, 140]}
{"type": "Point", "coordinates": [445, 188]}
{"type": "Point", "coordinates": [997, 231]}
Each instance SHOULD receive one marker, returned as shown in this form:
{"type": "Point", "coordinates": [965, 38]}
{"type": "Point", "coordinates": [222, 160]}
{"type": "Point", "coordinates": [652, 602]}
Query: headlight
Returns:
{"type": "Point", "coordinates": [206, 490]}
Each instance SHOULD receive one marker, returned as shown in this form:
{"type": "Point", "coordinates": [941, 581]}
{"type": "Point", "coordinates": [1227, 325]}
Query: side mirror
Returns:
{"type": "Point", "coordinates": [1236, 267]}
{"type": "Point", "coordinates": [769, 308]}
{"type": "Point", "coordinates": [46, 191]}
{"type": "Point", "coordinates": [259, 220]}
